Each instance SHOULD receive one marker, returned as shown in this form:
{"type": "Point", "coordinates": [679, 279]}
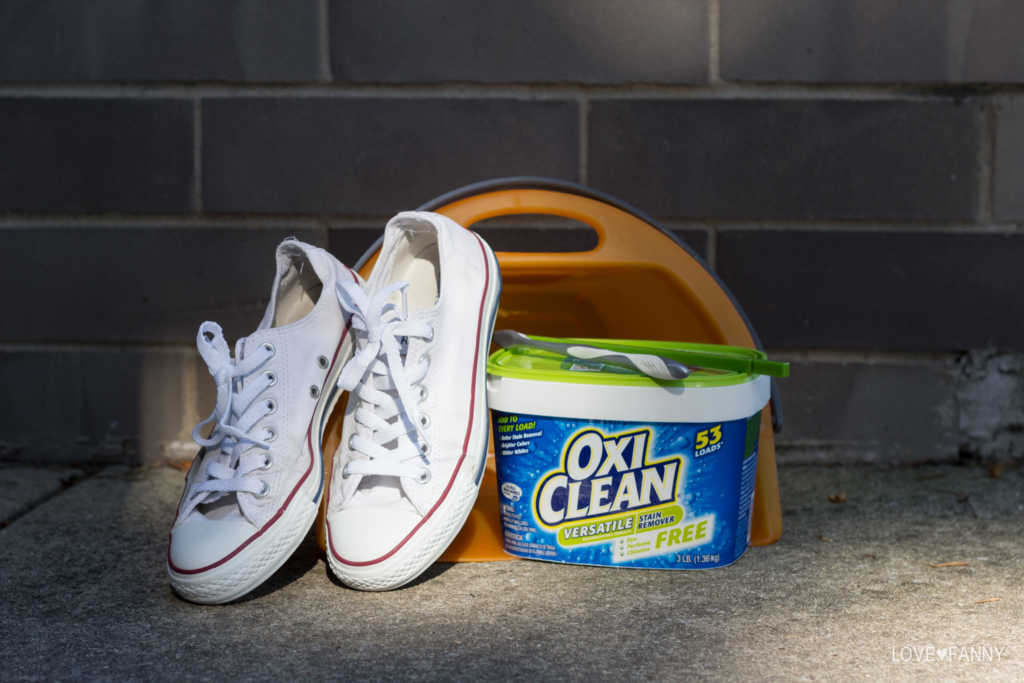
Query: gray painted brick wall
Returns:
{"type": "Point", "coordinates": [872, 41]}
{"type": "Point", "coordinates": [796, 159]}
{"type": "Point", "coordinates": [529, 41]}
{"type": "Point", "coordinates": [370, 155]}
{"type": "Point", "coordinates": [160, 40]}
{"type": "Point", "coordinates": [851, 169]}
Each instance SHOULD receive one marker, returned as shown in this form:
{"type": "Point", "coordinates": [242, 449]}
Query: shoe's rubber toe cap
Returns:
{"type": "Point", "coordinates": [200, 542]}
{"type": "Point", "coordinates": [363, 535]}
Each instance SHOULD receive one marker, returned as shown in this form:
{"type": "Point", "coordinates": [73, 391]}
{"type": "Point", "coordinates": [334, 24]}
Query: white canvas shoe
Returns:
{"type": "Point", "coordinates": [414, 437]}
{"type": "Point", "coordinates": [253, 491]}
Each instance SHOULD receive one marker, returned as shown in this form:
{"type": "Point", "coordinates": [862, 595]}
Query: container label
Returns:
{"type": "Point", "coordinates": [662, 495]}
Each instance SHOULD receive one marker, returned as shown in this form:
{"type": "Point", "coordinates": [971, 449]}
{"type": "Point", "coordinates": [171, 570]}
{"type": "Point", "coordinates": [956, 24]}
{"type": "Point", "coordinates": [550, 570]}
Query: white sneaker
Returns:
{"type": "Point", "coordinates": [414, 438]}
{"type": "Point", "coordinates": [253, 491]}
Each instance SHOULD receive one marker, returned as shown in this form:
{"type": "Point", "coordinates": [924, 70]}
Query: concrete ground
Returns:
{"type": "Point", "coordinates": [854, 590]}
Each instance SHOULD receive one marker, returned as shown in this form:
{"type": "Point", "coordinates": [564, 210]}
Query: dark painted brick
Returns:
{"type": "Point", "coordinates": [1008, 172]}
{"type": "Point", "coordinates": [868, 411]}
{"type": "Point", "coordinates": [899, 291]}
{"type": "Point", "coordinates": [374, 156]}
{"type": "Point", "coordinates": [96, 155]}
{"type": "Point", "coordinates": [348, 244]}
{"type": "Point", "coordinates": [835, 41]}
{"type": "Point", "coordinates": [580, 41]}
{"type": "Point", "coordinates": [121, 405]}
{"type": "Point", "coordinates": [140, 284]}
{"type": "Point", "coordinates": [791, 159]}
{"type": "Point", "coordinates": [159, 40]}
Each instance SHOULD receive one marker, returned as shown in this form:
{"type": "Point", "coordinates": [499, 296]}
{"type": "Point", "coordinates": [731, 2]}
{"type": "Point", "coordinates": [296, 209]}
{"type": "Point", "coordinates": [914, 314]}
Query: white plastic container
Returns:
{"type": "Point", "coordinates": [601, 465]}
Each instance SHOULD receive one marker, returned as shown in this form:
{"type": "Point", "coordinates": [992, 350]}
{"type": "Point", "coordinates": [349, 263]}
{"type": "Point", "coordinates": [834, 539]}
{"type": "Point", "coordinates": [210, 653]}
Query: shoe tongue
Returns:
{"type": "Point", "coordinates": [374, 489]}
{"type": "Point", "coordinates": [415, 346]}
{"type": "Point", "coordinates": [225, 507]}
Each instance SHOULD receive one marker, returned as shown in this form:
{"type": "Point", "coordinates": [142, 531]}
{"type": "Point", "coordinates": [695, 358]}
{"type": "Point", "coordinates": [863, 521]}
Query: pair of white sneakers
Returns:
{"type": "Point", "coordinates": [410, 345]}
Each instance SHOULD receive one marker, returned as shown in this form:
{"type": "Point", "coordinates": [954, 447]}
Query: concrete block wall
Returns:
{"type": "Point", "coordinates": [850, 167]}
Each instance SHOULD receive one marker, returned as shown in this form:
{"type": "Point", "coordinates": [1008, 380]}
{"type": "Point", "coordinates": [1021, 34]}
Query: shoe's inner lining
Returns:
{"type": "Point", "coordinates": [298, 292]}
{"type": "Point", "coordinates": [418, 262]}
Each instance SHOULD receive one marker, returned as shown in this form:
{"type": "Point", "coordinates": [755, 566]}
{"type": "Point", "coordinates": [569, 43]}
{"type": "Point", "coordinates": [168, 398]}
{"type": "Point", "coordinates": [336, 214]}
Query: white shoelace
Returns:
{"type": "Point", "coordinates": [391, 437]}
{"type": "Point", "coordinates": [232, 453]}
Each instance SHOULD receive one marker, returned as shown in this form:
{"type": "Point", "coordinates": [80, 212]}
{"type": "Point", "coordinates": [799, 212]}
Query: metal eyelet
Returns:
{"type": "Point", "coordinates": [423, 393]}
{"type": "Point", "coordinates": [424, 476]}
{"type": "Point", "coordinates": [314, 391]}
{"type": "Point", "coordinates": [267, 462]}
{"type": "Point", "coordinates": [350, 446]}
{"type": "Point", "coordinates": [424, 420]}
{"type": "Point", "coordinates": [269, 348]}
{"type": "Point", "coordinates": [271, 406]}
{"type": "Point", "coordinates": [425, 448]}
{"type": "Point", "coordinates": [271, 377]}
{"type": "Point", "coordinates": [265, 491]}
{"type": "Point", "coordinates": [271, 434]}
{"type": "Point", "coordinates": [322, 362]}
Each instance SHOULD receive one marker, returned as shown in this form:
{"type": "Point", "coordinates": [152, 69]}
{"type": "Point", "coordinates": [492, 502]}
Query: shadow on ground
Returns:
{"type": "Point", "coordinates": [846, 590]}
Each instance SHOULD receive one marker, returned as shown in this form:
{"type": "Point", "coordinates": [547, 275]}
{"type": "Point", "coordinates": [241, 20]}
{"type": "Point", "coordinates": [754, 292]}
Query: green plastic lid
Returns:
{"type": "Point", "coordinates": [711, 365]}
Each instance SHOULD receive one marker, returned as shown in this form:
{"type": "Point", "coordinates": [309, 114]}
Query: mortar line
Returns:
{"type": "Point", "coordinates": [722, 90]}
{"type": "Point", "coordinates": [197, 158]}
{"type": "Point", "coordinates": [115, 221]}
{"type": "Point", "coordinates": [92, 347]}
{"type": "Point", "coordinates": [866, 357]}
{"type": "Point", "coordinates": [324, 36]}
{"type": "Point", "coordinates": [171, 221]}
{"type": "Point", "coordinates": [583, 139]}
{"type": "Point", "coordinates": [714, 42]}
{"type": "Point", "coordinates": [892, 228]}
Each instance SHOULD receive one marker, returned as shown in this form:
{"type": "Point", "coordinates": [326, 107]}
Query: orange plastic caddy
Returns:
{"type": "Point", "coordinates": [639, 282]}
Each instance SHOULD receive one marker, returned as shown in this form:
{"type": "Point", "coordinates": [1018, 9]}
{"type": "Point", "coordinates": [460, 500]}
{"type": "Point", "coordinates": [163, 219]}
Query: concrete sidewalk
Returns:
{"type": "Point", "coordinates": [850, 592]}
